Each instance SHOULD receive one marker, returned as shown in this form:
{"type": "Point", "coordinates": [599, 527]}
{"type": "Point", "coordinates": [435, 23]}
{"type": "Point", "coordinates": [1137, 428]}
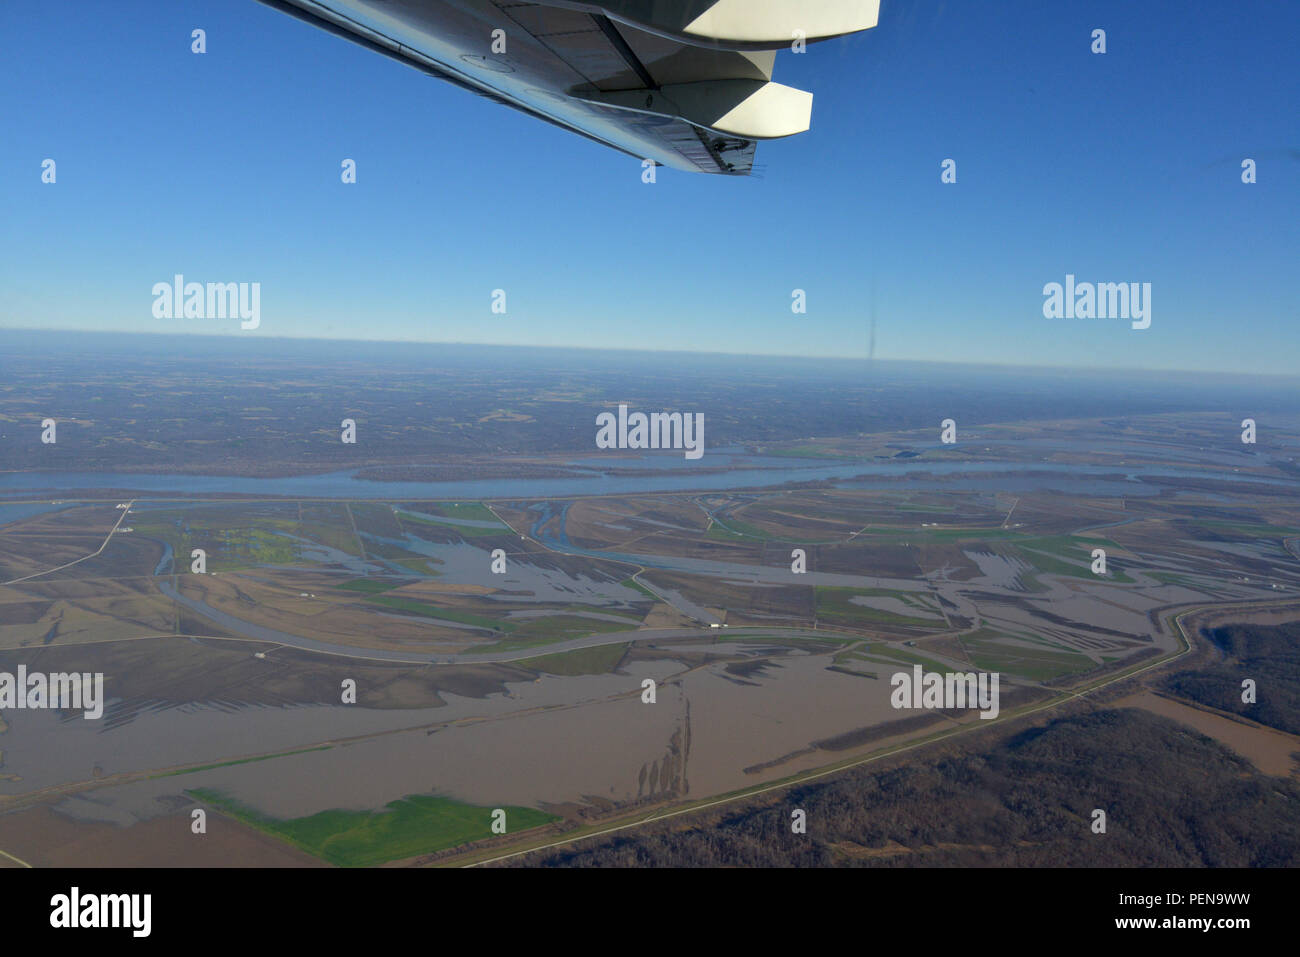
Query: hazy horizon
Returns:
{"type": "Point", "coordinates": [232, 337]}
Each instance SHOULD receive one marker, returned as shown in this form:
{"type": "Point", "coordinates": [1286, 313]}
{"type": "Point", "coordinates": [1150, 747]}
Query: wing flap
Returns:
{"type": "Point", "coordinates": [574, 66]}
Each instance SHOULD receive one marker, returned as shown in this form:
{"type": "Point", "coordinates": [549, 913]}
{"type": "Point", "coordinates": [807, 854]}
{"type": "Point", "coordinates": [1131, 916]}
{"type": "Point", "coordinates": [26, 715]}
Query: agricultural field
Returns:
{"type": "Point", "coordinates": [327, 675]}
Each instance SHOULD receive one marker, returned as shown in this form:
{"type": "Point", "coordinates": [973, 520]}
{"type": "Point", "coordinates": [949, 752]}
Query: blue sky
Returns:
{"type": "Point", "coordinates": [1115, 167]}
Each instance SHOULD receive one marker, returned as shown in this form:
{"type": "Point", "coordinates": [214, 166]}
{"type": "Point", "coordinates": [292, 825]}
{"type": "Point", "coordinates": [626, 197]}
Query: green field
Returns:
{"type": "Point", "coordinates": [470, 511]}
{"type": "Point", "coordinates": [466, 531]}
{"type": "Point", "coordinates": [881, 653]}
{"type": "Point", "coordinates": [416, 824]}
{"type": "Point", "coordinates": [371, 586]}
{"type": "Point", "coordinates": [834, 605]}
{"type": "Point", "coordinates": [229, 548]}
{"type": "Point", "coordinates": [1049, 555]}
{"type": "Point", "coordinates": [412, 607]}
{"type": "Point", "coordinates": [989, 651]}
{"type": "Point", "coordinates": [633, 583]}
{"type": "Point", "coordinates": [600, 660]}
{"type": "Point", "coordinates": [722, 533]}
{"type": "Point", "coordinates": [558, 627]}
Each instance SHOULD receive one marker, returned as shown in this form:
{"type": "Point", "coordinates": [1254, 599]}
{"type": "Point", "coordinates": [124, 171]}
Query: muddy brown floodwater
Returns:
{"type": "Point", "coordinates": [1269, 750]}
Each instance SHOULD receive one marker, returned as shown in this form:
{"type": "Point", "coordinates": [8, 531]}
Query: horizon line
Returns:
{"type": "Point", "coordinates": [231, 336]}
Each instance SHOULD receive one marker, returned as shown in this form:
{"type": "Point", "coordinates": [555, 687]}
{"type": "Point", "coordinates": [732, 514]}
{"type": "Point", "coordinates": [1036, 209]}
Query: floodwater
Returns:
{"type": "Point", "coordinates": [1079, 479]}
{"type": "Point", "coordinates": [559, 740]}
{"type": "Point", "coordinates": [12, 513]}
{"type": "Point", "coordinates": [1272, 751]}
{"type": "Point", "coordinates": [468, 564]}
{"type": "Point", "coordinates": [42, 748]}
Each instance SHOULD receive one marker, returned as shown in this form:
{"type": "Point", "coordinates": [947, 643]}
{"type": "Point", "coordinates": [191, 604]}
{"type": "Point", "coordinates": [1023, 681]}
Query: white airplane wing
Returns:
{"type": "Point", "coordinates": [685, 83]}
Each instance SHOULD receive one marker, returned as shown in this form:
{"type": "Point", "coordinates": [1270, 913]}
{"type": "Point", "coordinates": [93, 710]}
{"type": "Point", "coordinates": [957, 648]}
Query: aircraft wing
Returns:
{"type": "Point", "coordinates": [685, 83]}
